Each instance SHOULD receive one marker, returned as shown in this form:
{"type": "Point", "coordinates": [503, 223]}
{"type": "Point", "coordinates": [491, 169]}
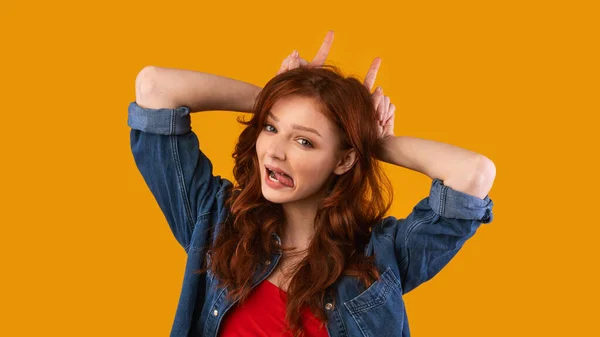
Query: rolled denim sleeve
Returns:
{"type": "Point", "coordinates": [159, 121]}
{"type": "Point", "coordinates": [179, 175]}
{"type": "Point", "coordinates": [435, 231]}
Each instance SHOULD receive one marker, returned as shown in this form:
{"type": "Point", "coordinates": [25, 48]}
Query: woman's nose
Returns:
{"type": "Point", "coordinates": [275, 150]}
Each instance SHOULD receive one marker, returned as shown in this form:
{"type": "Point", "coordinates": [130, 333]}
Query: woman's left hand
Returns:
{"type": "Point", "coordinates": [294, 60]}
{"type": "Point", "coordinates": [385, 109]}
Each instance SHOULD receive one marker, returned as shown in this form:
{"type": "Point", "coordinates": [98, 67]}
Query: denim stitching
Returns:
{"type": "Point", "coordinates": [209, 315]}
{"type": "Point", "coordinates": [389, 237]}
{"type": "Point", "coordinates": [381, 298]}
{"type": "Point", "coordinates": [180, 177]}
{"type": "Point", "coordinates": [340, 322]}
{"type": "Point", "coordinates": [442, 205]}
{"type": "Point", "coordinates": [403, 262]}
{"type": "Point", "coordinates": [172, 125]}
{"type": "Point", "coordinates": [408, 232]}
{"type": "Point", "coordinates": [412, 227]}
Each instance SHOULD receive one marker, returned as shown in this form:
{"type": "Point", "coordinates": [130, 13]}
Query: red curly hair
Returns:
{"type": "Point", "coordinates": [345, 217]}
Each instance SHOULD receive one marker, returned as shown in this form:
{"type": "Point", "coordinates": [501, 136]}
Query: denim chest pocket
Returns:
{"type": "Point", "coordinates": [379, 310]}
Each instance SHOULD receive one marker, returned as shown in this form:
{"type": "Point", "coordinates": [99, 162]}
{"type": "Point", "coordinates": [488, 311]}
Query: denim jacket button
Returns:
{"type": "Point", "coordinates": [216, 313]}
{"type": "Point", "coordinates": [328, 306]}
{"type": "Point", "coordinates": [268, 262]}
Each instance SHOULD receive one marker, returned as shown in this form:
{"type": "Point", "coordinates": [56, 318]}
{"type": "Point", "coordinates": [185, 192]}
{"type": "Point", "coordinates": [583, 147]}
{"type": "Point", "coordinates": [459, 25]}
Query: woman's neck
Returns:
{"type": "Point", "coordinates": [299, 224]}
{"type": "Point", "coordinates": [299, 221]}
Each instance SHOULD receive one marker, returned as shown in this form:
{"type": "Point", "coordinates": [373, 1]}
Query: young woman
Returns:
{"type": "Point", "coordinates": [300, 245]}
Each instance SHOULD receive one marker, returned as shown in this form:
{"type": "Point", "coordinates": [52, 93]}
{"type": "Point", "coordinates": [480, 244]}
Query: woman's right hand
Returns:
{"type": "Point", "coordinates": [294, 60]}
{"type": "Point", "coordinates": [385, 109]}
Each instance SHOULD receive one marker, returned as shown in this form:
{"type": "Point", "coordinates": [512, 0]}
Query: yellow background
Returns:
{"type": "Point", "coordinates": [86, 251]}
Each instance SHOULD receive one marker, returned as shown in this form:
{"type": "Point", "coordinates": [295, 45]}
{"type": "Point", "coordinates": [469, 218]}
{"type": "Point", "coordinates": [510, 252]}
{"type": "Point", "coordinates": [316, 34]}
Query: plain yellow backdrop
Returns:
{"type": "Point", "coordinates": [86, 251]}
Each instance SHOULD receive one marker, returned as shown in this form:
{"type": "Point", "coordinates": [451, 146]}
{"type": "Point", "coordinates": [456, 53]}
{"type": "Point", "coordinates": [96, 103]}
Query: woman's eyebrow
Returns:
{"type": "Point", "coordinates": [297, 126]}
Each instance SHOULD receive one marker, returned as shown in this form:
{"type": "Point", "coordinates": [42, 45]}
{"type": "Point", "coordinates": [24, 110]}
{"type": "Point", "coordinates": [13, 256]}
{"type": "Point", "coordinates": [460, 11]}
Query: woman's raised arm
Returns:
{"type": "Point", "coordinates": [158, 87]}
{"type": "Point", "coordinates": [167, 151]}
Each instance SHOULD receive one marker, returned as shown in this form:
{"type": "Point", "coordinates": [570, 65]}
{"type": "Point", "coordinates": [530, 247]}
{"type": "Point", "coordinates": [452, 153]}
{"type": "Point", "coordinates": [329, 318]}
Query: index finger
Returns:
{"type": "Point", "coordinates": [372, 73]}
{"type": "Point", "coordinates": [321, 56]}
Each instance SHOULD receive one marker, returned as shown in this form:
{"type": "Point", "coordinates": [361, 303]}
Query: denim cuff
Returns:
{"type": "Point", "coordinates": [450, 203]}
{"type": "Point", "coordinates": [159, 121]}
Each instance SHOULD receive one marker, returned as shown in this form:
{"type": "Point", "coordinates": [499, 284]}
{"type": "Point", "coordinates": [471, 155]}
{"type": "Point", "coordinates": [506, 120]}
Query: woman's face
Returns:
{"type": "Point", "coordinates": [300, 141]}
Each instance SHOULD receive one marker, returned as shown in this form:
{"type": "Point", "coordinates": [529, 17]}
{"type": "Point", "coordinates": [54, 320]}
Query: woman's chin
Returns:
{"type": "Point", "coordinates": [276, 196]}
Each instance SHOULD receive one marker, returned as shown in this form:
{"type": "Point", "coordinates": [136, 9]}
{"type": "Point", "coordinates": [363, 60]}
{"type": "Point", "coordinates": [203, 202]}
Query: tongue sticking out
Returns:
{"type": "Point", "coordinates": [284, 179]}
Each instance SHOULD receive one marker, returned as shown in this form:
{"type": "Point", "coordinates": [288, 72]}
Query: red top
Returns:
{"type": "Point", "coordinates": [263, 315]}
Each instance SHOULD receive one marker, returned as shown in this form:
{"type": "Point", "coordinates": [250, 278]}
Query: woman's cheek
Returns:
{"type": "Point", "coordinates": [315, 171]}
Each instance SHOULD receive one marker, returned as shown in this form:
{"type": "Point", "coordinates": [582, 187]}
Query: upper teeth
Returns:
{"type": "Point", "coordinates": [273, 171]}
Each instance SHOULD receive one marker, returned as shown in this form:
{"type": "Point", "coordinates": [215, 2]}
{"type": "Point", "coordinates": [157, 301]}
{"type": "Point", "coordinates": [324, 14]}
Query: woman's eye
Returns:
{"type": "Point", "coordinates": [306, 142]}
{"type": "Point", "coordinates": [301, 141]}
{"type": "Point", "coordinates": [267, 126]}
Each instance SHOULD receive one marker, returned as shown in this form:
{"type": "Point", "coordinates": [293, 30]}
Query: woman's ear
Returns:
{"type": "Point", "coordinates": [346, 162]}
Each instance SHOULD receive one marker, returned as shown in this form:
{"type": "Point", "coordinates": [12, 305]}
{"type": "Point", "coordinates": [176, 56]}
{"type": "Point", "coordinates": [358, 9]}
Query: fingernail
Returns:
{"type": "Point", "coordinates": [379, 89]}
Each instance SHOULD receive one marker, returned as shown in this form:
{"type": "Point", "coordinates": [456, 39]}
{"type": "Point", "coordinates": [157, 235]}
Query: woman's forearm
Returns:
{"type": "Point", "coordinates": [459, 168]}
{"type": "Point", "coordinates": [160, 87]}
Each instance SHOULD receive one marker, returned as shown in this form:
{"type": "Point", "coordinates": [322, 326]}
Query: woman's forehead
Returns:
{"type": "Point", "coordinates": [299, 109]}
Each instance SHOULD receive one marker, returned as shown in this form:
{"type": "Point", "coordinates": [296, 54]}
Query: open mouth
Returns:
{"type": "Point", "coordinates": [279, 177]}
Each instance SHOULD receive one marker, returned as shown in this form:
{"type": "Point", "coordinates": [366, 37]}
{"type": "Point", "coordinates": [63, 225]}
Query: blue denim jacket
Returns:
{"type": "Point", "coordinates": [408, 251]}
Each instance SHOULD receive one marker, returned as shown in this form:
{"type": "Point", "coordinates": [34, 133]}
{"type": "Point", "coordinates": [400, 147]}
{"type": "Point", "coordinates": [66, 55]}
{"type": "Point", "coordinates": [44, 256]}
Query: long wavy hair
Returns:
{"type": "Point", "coordinates": [345, 217]}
